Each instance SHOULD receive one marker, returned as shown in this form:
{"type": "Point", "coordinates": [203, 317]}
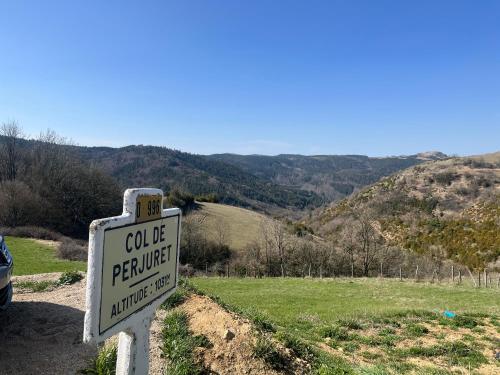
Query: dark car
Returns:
{"type": "Point", "coordinates": [6, 266]}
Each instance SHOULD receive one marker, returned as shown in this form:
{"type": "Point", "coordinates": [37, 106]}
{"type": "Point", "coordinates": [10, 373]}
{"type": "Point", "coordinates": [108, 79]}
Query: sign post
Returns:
{"type": "Point", "coordinates": [132, 269]}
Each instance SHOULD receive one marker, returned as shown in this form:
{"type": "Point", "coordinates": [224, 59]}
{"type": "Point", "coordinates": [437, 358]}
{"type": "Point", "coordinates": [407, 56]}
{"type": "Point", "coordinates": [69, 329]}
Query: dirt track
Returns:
{"type": "Point", "coordinates": [41, 333]}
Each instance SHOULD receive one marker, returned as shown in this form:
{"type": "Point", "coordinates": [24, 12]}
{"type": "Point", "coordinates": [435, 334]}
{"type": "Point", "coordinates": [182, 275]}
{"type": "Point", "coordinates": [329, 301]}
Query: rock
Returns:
{"type": "Point", "coordinates": [228, 335]}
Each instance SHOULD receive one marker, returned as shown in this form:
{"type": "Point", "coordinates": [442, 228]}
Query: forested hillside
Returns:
{"type": "Point", "coordinates": [330, 176]}
{"type": "Point", "coordinates": [44, 184]}
{"type": "Point", "coordinates": [269, 183]}
{"type": "Point", "coordinates": [446, 209]}
{"type": "Point", "coordinates": [171, 169]}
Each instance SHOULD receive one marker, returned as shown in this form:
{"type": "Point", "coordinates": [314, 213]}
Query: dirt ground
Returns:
{"type": "Point", "coordinates": [41, 333]}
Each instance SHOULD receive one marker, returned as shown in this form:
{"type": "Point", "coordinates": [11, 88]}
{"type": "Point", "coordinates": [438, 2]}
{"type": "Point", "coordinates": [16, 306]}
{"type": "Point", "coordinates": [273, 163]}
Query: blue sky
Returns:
{"type": "Point", "coordinates": [310, 77]}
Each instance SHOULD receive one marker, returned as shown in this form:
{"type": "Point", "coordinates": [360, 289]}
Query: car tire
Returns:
{"type": "Point", "coordinates": [5, 296]}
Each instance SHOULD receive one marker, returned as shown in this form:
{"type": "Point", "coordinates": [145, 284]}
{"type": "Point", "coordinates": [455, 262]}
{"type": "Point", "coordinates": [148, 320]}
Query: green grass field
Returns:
{"type": "Point", "coordinates": [31, 257]}
{"type": "Point", "coordinates": [373, 326]}
{"type": "Point", "coordinates": [242, 225]}
{"type": "Point", "coordinates": [286, 300]}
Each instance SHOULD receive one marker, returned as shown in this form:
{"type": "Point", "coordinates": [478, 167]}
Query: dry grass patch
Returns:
{"type": "Point", "coordinates": [241, 226]}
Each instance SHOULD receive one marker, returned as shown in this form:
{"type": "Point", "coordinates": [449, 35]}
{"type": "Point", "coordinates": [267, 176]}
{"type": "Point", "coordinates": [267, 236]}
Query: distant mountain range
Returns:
{"type": "Point", "coordinates": [274, 184]}
{"type": "Point", "coordinates": [200, 175]}
{"type": "Point", "coordinates": [330, 176]}
{"type": "Point", "coordinates": [282, 184]}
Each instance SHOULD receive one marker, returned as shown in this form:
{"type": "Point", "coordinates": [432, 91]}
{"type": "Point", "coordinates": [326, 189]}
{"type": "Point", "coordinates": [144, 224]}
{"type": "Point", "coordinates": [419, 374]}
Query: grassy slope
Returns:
{"type": "Point", "coordinates": [372, 326]}
{"type": "Point", "coordinates": [242, 225]}
{"type": "Point", "coordinates": [288, 301]}
{"type": "Point", "coordinates": [31, 257]}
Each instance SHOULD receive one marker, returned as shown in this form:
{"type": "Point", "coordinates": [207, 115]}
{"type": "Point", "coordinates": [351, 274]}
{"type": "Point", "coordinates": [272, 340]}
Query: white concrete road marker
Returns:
{"type": "Point", "coordinates": [132, 269]}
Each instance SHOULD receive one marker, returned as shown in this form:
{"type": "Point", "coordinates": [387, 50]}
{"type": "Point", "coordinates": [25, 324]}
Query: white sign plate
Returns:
{"type": "Point", "coordinates": [139, 266]}
{"type": "Point", "coordinates": [133, 264]}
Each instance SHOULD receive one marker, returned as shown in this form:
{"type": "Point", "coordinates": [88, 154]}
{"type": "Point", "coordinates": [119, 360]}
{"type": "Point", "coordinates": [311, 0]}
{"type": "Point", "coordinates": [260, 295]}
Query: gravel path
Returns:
{"type": "Point", "coordinates": [41, 333]}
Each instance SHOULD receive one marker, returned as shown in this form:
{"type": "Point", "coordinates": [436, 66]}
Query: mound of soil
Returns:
{"type": "Point", "coordinates": [231, 338]}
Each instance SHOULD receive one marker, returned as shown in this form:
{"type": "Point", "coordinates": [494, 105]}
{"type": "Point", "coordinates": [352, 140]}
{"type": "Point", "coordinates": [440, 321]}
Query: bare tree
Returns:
{"type": "Point", "coordinates": [10, 152]}
{"type": "Point", "coordinates": [369, 241]}
{"type": "Point", "coordinates": [253, 259]}
{"type": "Point", "coordinates": [221, 233]}
{"type": "Point", "coordinates": [266, 244]}
{"type": "Point", "coordinates": [193, 239]}
{"type": "Point", "coordinates": [274, 235]}
{"type": "Point", "coordinates": [348, 244]}
{"type": "Point", "coordinates": [278, 237]}
{"type": "Point", "coordinates": [20, 206]}
{"type": "Point", "coordinates": [437, 255]}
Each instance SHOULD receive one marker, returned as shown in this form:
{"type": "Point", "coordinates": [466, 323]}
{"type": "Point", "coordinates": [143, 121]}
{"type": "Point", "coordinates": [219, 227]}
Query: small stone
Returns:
{"type": "Point", "coordinates": [228, 335]}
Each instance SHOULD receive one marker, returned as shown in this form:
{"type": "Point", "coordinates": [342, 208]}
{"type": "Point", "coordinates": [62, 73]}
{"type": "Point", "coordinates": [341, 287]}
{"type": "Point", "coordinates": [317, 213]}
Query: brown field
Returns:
{"type": "Point", "coordinates": [242, 226]}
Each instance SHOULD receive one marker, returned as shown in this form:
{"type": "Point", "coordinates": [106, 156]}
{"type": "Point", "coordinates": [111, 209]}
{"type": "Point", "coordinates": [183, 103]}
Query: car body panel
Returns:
{"type": "Point", "coordinates": [6, 268]}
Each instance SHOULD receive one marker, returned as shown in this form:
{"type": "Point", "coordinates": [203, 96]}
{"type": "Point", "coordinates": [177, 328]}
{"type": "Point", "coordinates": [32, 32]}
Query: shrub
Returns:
{"type": "Point", "coordinates": [211, 198]}
{"type": "Point", "coordinates": [31, 232]}
{"type": "Point", "coordinates": [183, 200]}
{"type": "Point", "coordinates": [265, 349]}
{"type": "Point", "coordinates": [335, 332]}
{"type": "Point", "coordinates": [186, 270]}
{"type": "Point", "coordinates": [20, 205]}
{"type": "Point", "coordinates": [71, 249]}
{"type": "Point", "coordinates": [179, 345]}
{"type": "Point", "coordinates": [260, 320]}
{"type": "Point", "coordinates": [178, 297]}
{"type": "Point", "coordinates": [105, 362]}
{"type": "Point", "coordinates": [36, 286]}
{"type": "Point", "coordinates": [70, 277]}
{"type": "Point", "coordinates": [445, 178]}
{"type": "Point", "coordinates": [416, 330]}
{"type": "Point", "coordinates": [350, 323]}
{"type": "Point", "coordinates": [299, 347]}
{"type": "Point", "coordinates": [457, 353]}
{"type": "Point", "coordinates": [459, 322]}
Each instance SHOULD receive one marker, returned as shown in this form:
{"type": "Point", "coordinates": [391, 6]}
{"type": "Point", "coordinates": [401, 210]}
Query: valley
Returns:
{"type": "Point", "coordinates": [289, 264]}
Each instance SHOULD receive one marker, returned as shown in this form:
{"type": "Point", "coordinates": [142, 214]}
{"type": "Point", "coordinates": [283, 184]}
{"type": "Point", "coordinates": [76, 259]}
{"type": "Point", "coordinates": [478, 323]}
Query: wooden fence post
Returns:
{"type": "Point", "coordinates": [485, 278]}
{"type": "Point", "coordinates": [400, 274]}
{"type": "Point", "coordinates": [416, 273]}
{"type": "Point", "coordinates": [459, 277]}
{"type": "Point", "coordinates": [452, 273]}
